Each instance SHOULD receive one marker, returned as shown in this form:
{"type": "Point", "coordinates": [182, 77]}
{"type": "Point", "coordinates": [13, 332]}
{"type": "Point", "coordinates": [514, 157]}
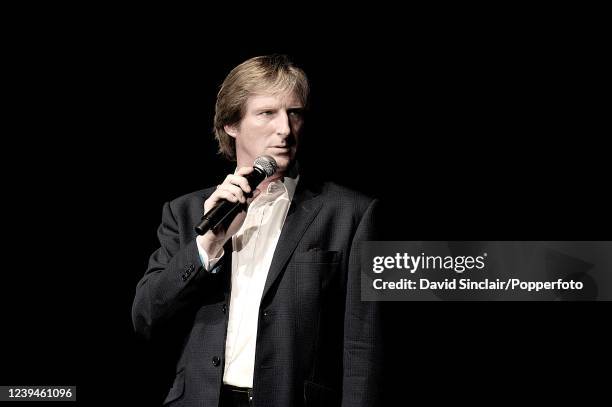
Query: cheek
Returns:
{"type": "Point", "coordinates": [256, 132]}
{"type": "Point", "coordinates": [296, 126]}
{"type": "Point", "coordinates": [263, 130]}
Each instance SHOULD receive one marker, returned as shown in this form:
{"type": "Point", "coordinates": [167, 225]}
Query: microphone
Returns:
{"type": "Point", "coordinates": [263, 167]}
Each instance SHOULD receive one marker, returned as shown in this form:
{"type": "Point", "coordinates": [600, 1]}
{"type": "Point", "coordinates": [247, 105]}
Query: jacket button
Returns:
{"type": "Point", "coordinates": [216, 361]}
{"type": "Point", "coordinates": [224, 308]}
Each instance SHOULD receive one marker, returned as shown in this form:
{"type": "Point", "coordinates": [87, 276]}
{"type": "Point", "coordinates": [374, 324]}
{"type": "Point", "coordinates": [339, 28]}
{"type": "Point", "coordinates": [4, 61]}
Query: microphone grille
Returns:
{"type": "Point", "coordinates": [267, 164]}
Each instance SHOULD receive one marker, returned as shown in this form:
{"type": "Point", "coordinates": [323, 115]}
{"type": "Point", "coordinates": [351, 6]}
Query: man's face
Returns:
{"type": "Point", "coordinates": [271, 126]}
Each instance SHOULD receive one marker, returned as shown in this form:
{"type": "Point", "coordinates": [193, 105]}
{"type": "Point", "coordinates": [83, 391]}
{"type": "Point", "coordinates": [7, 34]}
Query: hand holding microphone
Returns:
{"type": "Point", "coordinates": [225, 209]}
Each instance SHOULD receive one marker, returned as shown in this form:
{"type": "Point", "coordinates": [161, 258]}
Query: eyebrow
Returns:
{"type": "Point", "coordinates": [299, 107]}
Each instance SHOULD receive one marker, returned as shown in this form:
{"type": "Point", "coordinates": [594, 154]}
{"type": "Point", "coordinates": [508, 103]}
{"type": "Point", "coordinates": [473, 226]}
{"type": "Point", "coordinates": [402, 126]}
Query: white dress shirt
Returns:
{"type": "Point", "coordinates": [253, 249]}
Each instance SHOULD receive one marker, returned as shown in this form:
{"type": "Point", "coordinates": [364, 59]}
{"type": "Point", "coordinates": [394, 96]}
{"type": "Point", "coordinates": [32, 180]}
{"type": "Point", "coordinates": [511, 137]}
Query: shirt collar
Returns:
{"type": "Point", "coordinates": [286, 184]}
{"type": "Point", "coordinates": [291, 185]}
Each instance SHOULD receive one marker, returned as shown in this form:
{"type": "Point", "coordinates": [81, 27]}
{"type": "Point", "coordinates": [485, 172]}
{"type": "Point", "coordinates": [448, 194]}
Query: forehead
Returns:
{"type": "Point", "coordinates": [277, 100]}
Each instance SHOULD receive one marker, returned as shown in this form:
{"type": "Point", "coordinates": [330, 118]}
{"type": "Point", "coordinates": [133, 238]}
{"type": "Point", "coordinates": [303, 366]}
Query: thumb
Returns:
{"type": "Point", "coordinates": [256, 193]}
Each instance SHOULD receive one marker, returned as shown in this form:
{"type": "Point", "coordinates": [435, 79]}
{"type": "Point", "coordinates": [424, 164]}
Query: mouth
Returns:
{"type": "Point", "coordinates": [281, 150]}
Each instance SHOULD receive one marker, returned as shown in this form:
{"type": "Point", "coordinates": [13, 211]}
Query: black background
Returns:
{"type": "Point", "coordinates": [473, 129]}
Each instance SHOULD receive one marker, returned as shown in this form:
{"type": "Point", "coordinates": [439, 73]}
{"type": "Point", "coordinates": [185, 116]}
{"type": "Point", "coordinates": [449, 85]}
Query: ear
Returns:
{"type": "Point", "coordinates": [231, 130]}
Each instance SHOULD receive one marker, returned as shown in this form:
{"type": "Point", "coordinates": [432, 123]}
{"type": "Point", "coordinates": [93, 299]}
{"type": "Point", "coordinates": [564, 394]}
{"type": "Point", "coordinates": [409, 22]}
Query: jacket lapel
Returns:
{"type": "Point", "coordinates": [304, 207]}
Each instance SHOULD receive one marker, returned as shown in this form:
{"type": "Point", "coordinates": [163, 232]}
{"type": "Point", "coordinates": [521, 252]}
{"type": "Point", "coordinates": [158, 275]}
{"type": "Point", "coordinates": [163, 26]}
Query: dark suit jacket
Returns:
{"type": "Point", "coordinates": [318, 344]}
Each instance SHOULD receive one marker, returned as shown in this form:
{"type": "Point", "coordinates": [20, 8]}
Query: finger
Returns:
{"type": "Point", "coordinates": [227, 195]}
{"type": "Point", "coordinates": [234, 190]}
{"type": "Point", "coordinates": [243, 171]}
{"type": "Point", "coordinates": [239, 181]}
{"type": "Point", "coordinates": [218, 196]}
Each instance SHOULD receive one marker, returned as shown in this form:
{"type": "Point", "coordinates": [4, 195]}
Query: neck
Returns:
{"type": "Point", "coordinates": [264, 184]}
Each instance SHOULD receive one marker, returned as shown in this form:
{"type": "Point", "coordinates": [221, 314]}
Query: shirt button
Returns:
{"type": "Point", "coordinates": [216, 361]}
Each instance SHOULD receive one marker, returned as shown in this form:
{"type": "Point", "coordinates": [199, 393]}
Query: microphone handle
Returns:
{"type": "Point", "coordinates": [225, 211]}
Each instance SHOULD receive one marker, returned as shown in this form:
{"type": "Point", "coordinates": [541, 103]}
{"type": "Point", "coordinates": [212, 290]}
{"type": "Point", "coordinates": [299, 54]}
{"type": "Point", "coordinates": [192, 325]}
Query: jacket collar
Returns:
{"type": "Point", "coordinates": [302, 211]}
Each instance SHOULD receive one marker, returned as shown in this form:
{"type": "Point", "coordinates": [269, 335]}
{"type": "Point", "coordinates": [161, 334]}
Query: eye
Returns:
{"type": "Point", "coordinates": [296, 112]}
{"type": "Point", "coordinates": [266, 113]}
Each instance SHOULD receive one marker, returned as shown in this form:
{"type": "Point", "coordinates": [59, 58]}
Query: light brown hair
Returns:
{"type": "Point", "coordinates": [264, 74]}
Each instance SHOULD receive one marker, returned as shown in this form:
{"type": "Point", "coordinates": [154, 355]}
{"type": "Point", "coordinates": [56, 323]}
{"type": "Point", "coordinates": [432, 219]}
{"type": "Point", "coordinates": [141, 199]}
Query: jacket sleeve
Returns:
{"type": "Point", "coordinates": [362, 356]}
{"type": "Point", "coordinates": [172, 279]}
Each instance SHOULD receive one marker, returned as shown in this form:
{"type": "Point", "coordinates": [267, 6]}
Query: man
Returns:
{"type": "Point", "coordinates": [269, 305]}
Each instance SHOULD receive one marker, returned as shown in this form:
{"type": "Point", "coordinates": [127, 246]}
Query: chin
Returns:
{"type": "Point", "coordinates": [283, 162]}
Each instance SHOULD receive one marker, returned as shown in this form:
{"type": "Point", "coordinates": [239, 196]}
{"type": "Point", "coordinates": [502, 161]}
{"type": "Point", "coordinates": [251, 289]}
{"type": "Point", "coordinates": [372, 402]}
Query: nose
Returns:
{"type": "Point", "coordinates": [283, 125]}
